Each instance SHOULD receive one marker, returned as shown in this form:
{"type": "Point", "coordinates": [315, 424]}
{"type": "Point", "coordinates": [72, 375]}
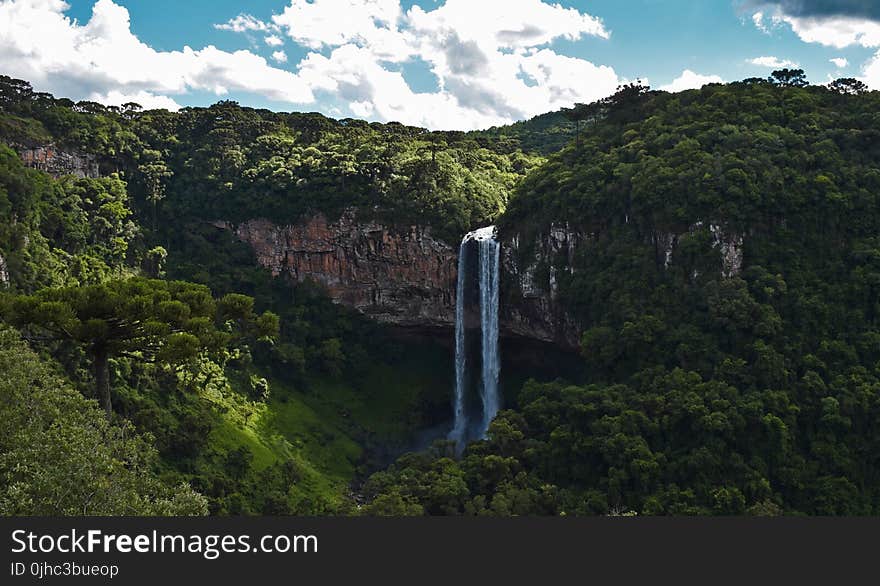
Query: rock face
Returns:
{"type": "Point", "coordinates": [400, 276]}
{"type": "Point", "coordinates": [406, 277]}
{"type": "Point", "coordinates": [58, 162]}
{"type": "Point", "coordinates": [729, 243]}
{"type": "Point", "coordinates": [530, 305]}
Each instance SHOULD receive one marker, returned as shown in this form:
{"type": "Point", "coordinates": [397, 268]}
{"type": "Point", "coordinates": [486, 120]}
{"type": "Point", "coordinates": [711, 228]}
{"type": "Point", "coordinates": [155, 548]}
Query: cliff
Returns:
{"type": "Point", "coordinates": [405, 276]}
{"type": "Point", "coordinates": [402, 276]}
{"type": "Point", "coordinates": [530, 305]}
{"type": "Point", "coordinates": [58, 162]}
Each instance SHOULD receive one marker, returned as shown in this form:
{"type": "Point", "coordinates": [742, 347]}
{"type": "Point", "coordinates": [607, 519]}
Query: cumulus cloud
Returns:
{"type": "Point", "coordinates": [833, 24]}
{"type": "Point", "coordinates": [774, 62]}
{"type": "Point", "coordinates": [146, 99]}
{"type": "Point", "coordinates": [274, 41]}
{"type": "Point", "coordinates": [689, 80]}
{"type": "Point", "coordinates": [492, 60]}
{"type": "Point", "coordinates": [331, 23]}
{"type": "Point", "coordinates": [104, 58]}
{"type": "Point", "coordinates": [243, 23]}
{"type": "Point", "coordinates": [837, 31]}
{"type": "Point", "coordinates": [839, 62]}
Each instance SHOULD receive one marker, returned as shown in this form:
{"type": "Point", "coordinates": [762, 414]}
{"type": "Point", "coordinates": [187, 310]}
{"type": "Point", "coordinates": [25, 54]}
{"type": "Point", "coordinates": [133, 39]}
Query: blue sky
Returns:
{"type": "Point", "coordinates": [437, 63]}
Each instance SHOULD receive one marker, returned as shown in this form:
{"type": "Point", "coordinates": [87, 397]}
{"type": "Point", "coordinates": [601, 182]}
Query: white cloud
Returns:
{"type": "Point", "coordinates": [104, 58]}
{"type": "Point", "coordinates": [146, 99]}
{"type": "Point", "coordinates": [831, 31]}
{"type": "Point", "coordinates": [774, 62]}
{"type": "Point", "coordinates": [758, 20]}
{"type": "Point", "coordinates": [491, 59]}
{"type": "Point", "coordinates": [871, 72]}
{"type": "Point", "coordinates": [332, 23]}
{"type": "Point", "coordinates": [839, 62]}
{"type": "Point", "coordinates": [244, 22]}
{"type": "Point", "coordinates": [838, 31]}
{"type": "Point", "coordinates": [353, 74]}
{"type": "Point", "coordinates": [507, 23]}
{"type": "Point", "coordinates": [689, 80]}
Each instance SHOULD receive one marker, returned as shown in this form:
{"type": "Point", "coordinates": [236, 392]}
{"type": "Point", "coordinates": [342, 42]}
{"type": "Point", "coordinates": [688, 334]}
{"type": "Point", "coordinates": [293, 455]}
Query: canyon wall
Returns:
{"type": "Point", "coordinates": [405, 276]}
{"type": "Point", "coordinates": [58, 162]}
{"type": "Point", "coordinates": [530, 304]}
{"type": "Point", "coordinates": [402, 276]}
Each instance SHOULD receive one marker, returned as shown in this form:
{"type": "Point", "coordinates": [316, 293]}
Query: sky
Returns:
{"type": "Point", "coordinates": [442, 64]}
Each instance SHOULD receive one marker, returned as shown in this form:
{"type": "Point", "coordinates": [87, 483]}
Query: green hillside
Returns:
{"type": "Point", "coordinates": [726, 282]}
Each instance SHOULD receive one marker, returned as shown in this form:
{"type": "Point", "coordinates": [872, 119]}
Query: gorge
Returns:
{"type": "Point", "coordinates": [678, 313]}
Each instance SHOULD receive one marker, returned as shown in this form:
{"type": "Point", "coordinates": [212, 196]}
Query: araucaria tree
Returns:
{"type": "Point", "coordinates": [168, 322]}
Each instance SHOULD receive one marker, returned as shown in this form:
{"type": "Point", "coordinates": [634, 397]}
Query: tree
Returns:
{"type": "Point", "coordinates": [576, 114]}
{"type": "Point", "coordinates": [153, 320]}
{"type": "Point", "coordinates": [155, 173]}
{"type": "Point", "coordinates": [14, 91]}
{"type": "Point", "coordinates": [849, 86]}
{"type": "Point", "coordinates": [60, 456]}
{"type": "Point", "coordinates": [789, 77]}
{"type": "Point", "coordinates": [154, 262]}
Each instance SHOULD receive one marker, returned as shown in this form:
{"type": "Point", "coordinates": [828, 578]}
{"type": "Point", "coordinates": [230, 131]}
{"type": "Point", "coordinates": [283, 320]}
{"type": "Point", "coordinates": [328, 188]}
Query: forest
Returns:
{"type": "Point", "coordinates": [149, 354]}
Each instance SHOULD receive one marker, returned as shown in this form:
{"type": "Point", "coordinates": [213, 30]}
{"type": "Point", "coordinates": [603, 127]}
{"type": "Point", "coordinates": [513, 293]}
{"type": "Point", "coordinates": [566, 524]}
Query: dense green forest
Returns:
{"type": "Point", "coordinates": [261, 394]}
{"type": "Point", "coordinates": [755, 392]}
{"type": "Point", "coordinates": [705, 390]}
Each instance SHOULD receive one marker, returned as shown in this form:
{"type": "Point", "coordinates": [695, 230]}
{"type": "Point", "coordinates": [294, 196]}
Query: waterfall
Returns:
{"type": "Point", "coordinates": [460, 425]}
{"type": "Point", "coordinates": [487, 266]}
{"type": "Point", "coordinates": [491, 365]}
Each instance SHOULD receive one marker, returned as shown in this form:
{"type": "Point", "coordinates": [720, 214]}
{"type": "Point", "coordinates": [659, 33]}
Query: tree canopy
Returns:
{"type": "Point", "coordinates": [60, 456]}
{"type": "Point", "coordinates": [166, 321]}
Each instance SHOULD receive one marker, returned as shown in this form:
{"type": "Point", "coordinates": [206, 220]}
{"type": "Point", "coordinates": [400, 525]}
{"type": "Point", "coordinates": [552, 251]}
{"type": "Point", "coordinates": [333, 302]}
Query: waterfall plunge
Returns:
{"type": "Point", "coordinates": [490, 365]}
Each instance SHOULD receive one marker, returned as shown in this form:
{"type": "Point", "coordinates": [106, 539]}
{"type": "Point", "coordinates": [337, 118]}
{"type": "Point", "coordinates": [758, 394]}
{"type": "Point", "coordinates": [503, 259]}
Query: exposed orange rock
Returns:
{"type": "Point", "coordinates": [58, 162]}
{"type": "Point", "coordinates": [402, 276]}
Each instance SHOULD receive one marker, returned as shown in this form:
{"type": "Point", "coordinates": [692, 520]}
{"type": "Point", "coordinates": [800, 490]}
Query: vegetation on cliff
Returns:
{"type": "Point", "coordinates": [233, 163]}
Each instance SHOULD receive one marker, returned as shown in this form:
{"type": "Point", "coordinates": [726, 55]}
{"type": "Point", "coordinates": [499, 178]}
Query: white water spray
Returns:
{"type": "Point", "coordinates": [490, 363]}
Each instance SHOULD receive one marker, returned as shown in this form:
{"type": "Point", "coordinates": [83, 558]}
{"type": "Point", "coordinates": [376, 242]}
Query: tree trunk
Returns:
{"type": "Point", "coordinates": [102, 378]}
